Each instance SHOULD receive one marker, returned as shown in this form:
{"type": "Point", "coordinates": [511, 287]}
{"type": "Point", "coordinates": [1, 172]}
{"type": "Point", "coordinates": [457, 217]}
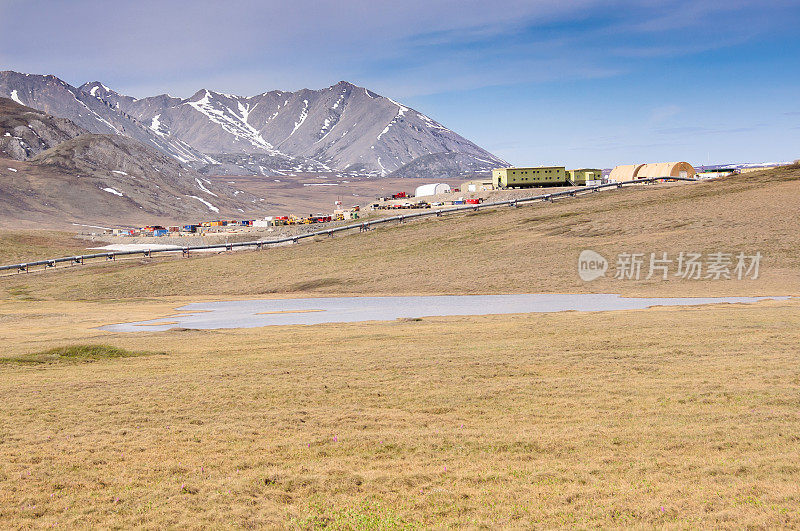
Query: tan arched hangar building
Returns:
{"type": "Point", "coordinates": [631, 172]}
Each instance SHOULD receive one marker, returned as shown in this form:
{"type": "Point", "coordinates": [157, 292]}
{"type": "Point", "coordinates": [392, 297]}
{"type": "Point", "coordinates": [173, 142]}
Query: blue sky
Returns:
{"type": "Point", "coordinates": [580, 83]}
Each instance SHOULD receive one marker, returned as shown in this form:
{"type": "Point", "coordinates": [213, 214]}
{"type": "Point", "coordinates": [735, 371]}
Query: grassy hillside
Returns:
{"type": "Point", "coordinates": [26, 245]}
{"type": "Point", "coordinates": [529, 249]}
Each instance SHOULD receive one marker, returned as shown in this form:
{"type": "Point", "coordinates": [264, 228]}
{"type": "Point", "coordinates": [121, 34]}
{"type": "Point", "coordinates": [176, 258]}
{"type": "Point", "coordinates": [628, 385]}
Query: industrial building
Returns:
{"type": "Point", "coordinates": [484, 185]}
{"type": "Point", "coordinates": [528, 177]}
{"type": "Point", "coordinates": [626, 172]}
{"type": "Point", "coordinates": [666, 169]}
{"type": "Point", "coordinates": [631, 172]}
{"type": "Point", "coordinates": [581, 176]}
{"type": "Point", "coordinates": [432, 189]}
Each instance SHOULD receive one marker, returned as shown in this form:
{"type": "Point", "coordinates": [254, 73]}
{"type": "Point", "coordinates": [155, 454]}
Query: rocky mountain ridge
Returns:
{"type": "Point", "coordinates": [343, 128]}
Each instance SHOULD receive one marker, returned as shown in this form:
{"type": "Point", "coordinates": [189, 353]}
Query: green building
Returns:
{"type": "Point", "coordinates": [579, 177]}
{"type": "Point", "coordinates": [529, 177]}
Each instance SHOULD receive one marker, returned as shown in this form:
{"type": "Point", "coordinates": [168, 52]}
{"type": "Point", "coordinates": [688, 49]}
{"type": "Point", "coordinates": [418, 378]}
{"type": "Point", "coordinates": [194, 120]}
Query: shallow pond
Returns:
{"type": "Point", "coordinates": [277, 312]}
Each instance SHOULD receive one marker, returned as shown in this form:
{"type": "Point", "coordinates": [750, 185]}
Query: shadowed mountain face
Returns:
{"type": "Point", "coordinates": [343, 128]}
{"type": "Point", "coordinates": [24, 132]}
{"type": "Point", "coordinates": [55, 171]}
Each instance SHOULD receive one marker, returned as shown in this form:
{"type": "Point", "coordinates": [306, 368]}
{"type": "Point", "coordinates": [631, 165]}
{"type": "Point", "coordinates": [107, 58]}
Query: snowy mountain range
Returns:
{"type": "Point", "coordinates": [341, 129]}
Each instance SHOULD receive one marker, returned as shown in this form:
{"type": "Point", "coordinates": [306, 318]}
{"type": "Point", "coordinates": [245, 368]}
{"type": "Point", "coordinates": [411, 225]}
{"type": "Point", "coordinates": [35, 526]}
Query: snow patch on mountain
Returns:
{"type": "Point", "coordinates": [326, 130]}
{"type": "Point", "coordinates": [97, 116]}
{"type": "Point", "coordinates": [206, 203]}
{"type": "Point", "coordinates": [97, 87]}
{"type": "Point", "coordinates": [231, 122]}
{"type": "Point", "coordinates": [303, 116]}
{"type": "Point", "coordinates": [203, 188]}
{"type": "Point", "coordinates": [401, 110]}
{"type": "Point", "coordinates": [155, 124]}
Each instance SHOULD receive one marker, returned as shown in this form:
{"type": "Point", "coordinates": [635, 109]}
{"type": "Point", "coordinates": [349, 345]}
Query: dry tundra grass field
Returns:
{"type": "Point", "coordinates": [680, 417]}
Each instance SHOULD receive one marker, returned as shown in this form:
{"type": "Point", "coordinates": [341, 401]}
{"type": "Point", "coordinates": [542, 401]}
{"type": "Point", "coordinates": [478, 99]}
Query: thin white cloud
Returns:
{"type": "Point", "coordinates": [664, 113]}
